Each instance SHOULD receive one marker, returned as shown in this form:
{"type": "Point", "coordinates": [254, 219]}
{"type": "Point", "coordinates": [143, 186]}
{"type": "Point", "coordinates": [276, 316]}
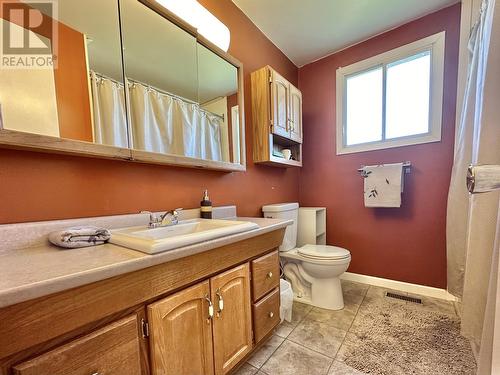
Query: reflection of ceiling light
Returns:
{"type": "Point", "coordinates": [197, 16]}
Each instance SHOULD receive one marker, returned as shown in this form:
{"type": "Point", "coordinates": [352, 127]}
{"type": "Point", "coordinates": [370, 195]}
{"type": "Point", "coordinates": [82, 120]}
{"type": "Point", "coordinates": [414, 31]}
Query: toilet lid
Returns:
{"type": "Point", "coordinates": [323, 252]}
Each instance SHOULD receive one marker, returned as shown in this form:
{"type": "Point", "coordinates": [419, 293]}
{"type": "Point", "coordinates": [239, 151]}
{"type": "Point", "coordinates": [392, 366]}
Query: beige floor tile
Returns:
{"type": "Point", "coordinates": [322, 337]}
{"type": "Point", "coordinates": [284, 329]}
{"type": "Point", "coordinates": [263, 354]}
{"type": "Point", "coordinates": [434, 304]}
{"type": "Point", "coordinates": [299, 312]}
{"type": "Point", "coordinates": [341, 319]}
{"type": "Point", "coordinates": [377, 295]}
{"type": "Point", "coordinates": [340, 368]}
{"type": "Point", "coordinates": [353, 287]}
{"type": "Point", "coordinates": [376, 291]}
{"type": "Point", "coordinates": [352, 301]}
{"type": "Point", "coordinates": [294, 359]}
{"type": "Point", "coordinates": [246, 369]}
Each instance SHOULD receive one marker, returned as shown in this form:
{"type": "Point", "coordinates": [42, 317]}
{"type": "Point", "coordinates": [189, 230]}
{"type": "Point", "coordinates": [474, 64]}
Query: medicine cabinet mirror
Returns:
{"type": "Point", "coordinates": [119, 79]}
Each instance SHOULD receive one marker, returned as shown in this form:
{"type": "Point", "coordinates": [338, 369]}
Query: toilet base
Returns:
{"type": "Point", "coordinates": [331, 300]}
{"type": "Point", "coordinates": [327, 294]}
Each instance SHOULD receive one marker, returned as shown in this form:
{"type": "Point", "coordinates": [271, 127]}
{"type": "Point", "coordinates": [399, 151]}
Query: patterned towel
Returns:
{"type": "Point", "coordinates": [383, 185]}
{"type": "Point", "coordinates": [76, 237]}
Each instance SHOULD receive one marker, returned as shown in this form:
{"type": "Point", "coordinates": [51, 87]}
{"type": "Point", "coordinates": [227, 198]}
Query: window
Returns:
{"type": "Point", "coordinates": [393, 99]}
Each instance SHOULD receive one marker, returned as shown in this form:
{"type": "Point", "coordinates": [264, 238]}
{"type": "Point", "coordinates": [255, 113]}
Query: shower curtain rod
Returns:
{"type": "Point", "coordinates": [158, 90]}
{"type": "Point", "coordinates": [100, 75]}
{"type": "Point", "coordinates": [175, 97]}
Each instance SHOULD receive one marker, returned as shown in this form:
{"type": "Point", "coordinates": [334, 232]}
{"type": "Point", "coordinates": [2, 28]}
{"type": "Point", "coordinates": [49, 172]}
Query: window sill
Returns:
{"type": "Point", "coordinates": [400, 142]}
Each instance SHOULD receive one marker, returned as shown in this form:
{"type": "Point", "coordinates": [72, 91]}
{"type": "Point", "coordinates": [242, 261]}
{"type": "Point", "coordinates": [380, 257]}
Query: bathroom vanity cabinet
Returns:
{"type": "Point", "coordinates": [207, 324]}
{"type": "Point", "coordinates": [277, 119]}
{"type": "Point", "coordinates": [202, 314]}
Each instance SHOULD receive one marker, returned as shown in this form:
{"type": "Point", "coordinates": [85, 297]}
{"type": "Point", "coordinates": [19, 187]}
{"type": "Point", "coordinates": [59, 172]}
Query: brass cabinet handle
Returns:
{"type": "Point", "coordinates": [269, 275]}
{"type": "Point", "coordinates": [210, 307]}
{"type": "Point", "coordinates": [271, 314]}
{"type": "Point", "coordinates": [221, 302]}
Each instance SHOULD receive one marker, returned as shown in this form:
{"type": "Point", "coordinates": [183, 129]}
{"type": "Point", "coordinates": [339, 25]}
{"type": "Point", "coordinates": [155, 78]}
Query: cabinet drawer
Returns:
{"type": "Point", "coordinates": [112, 350]}
{"type": "Point", "coordinates": [266, 314]}
{"type": "Point", "coordinates": [265, 274]}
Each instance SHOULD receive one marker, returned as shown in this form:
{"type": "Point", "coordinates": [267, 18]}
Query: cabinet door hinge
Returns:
{"type": "Point", "coordinates": [145, 328]}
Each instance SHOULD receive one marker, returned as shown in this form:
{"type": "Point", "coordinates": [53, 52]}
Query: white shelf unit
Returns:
{"type": "Point", "coordinates": [311, 226]}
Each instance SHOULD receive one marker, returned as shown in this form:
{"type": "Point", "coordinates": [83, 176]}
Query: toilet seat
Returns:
{"type": "Point", "coordinates": [323, 252]}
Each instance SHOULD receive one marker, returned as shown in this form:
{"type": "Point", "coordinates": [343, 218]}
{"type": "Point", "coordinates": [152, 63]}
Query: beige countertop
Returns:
{"type": "Point", "coordinates": [42, 270]}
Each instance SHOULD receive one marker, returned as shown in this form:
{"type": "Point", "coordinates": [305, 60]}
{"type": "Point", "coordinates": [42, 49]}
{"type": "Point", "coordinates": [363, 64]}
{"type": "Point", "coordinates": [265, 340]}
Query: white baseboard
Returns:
{"type": "Point", "coordinates": [422, 290]}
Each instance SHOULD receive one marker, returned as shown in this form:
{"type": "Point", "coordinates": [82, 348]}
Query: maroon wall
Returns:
{"type": "Point", "coordinates": [408, 243]}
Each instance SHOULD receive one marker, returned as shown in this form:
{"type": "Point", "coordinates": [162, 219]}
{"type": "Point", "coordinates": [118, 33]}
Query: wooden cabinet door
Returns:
{"type": "Point", "coordinates": [233, 319]}
{"type": "Point", "coordinates": [295, 114]}
{"type": "Point", "coordinates": [112, 350]}
{"type": "Point", "coordinates": [280, 110]}
{"type": "Point", "coordinates": [181, 333]}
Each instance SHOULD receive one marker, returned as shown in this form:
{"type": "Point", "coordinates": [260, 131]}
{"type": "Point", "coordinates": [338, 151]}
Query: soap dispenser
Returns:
{"type": "Point", "coordinates": [206, 207]}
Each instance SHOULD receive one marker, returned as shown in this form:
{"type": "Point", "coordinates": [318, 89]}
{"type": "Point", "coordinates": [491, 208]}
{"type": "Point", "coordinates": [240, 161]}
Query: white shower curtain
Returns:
{"type": "Point", "coordinates": [472, 222]}
{"type": "Point", "coordinates": [166, 124]}
{"type": "Point", "coordinates": [108, 104]}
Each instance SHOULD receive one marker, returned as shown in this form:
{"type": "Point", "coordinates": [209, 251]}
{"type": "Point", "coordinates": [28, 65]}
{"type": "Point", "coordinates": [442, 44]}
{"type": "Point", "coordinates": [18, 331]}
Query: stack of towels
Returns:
{"type": "Point", "coordinates": [383, 185]}
{"type": "Point", "coordinates": [83, 236]}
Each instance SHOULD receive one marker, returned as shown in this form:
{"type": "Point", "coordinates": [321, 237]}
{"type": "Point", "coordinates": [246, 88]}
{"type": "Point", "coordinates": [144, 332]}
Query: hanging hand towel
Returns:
{"type": "Point", "coordinates": [383, 185]}
{"type": "Point", "coordinates": [80, 237]}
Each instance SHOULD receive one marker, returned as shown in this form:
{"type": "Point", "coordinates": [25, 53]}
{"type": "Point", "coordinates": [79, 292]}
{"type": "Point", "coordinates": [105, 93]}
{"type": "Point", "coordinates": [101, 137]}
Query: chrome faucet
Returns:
{"type": "Point", "coordinates": [165, 220]}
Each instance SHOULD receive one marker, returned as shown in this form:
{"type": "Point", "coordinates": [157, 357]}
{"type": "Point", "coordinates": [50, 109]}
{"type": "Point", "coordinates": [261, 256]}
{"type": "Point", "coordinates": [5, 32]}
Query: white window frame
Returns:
{"type": "Point", "coordinates": [436, 45]}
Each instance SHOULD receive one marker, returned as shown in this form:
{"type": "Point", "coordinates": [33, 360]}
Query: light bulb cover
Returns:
{"type": "Point", "coordinates": [199, 17]}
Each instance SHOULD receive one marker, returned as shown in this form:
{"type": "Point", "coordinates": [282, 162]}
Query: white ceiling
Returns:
{"type": "Point", "coordinates": [308, 30]}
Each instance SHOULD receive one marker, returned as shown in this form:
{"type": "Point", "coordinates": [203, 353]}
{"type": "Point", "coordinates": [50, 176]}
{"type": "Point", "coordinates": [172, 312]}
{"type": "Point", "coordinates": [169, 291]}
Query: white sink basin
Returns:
{"type": "Point", "coordinates": [187, 232]}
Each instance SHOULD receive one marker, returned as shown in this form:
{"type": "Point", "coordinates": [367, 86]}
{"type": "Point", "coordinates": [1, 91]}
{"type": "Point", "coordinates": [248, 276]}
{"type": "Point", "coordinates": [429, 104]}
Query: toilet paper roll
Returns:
{"type": "Point", "coordinates": [483, 178]}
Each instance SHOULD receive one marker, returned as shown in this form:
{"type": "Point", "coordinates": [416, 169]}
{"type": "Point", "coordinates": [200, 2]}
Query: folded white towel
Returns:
{"type": "Point", "coordinates": [383, 185]}
{"type": "Point", "coordinates": [76, 237]}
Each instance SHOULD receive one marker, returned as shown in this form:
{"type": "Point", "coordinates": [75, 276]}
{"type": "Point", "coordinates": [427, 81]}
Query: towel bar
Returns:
{"type": "Point", "coordinates": [406, 168]}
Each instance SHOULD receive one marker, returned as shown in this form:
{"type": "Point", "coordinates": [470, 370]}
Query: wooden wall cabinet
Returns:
{"type": "Point", "coordinates": [277, 119]}
{"type": "Point", "coordinates": [199, 315]}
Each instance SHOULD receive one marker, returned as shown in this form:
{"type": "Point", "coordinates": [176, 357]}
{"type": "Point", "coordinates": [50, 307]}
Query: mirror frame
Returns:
{"type": "Point", "coordinates": [12, 139]}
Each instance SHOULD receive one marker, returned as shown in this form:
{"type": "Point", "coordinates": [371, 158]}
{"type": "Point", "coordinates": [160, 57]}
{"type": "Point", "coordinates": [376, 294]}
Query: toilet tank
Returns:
{"type": "Point", "coordinates": [285, 211]}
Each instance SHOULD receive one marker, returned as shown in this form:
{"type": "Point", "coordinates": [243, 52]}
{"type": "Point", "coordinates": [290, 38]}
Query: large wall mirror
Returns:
{"type": "Point", "coordinates": [129, 81]}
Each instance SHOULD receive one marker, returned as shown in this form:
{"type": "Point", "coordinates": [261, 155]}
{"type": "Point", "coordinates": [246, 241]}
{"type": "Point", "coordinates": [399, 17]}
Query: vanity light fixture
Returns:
{"type": "Point", "coordinates": [198, 16]}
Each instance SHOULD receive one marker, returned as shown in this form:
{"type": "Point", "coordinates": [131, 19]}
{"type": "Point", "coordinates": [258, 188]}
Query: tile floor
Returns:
{"type": "Point", "coordinates": [296, 348]}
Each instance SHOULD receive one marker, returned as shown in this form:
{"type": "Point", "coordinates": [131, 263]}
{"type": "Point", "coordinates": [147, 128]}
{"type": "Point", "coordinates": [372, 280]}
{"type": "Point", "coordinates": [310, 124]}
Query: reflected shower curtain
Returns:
{"type": "Point", "coordinates": [472, 221]}
{"type": "Point", "coordinates": [108, 103]}
{"type": "Point", "coordinates": [166, 124]}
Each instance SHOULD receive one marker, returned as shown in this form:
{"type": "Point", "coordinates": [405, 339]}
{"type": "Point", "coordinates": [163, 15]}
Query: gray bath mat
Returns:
{"type": "Point", "coordinates": [400, 339]}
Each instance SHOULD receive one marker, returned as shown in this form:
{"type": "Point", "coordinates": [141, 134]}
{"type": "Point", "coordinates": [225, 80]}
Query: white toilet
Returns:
{"type": "Point", "coordinates": [313, 270]}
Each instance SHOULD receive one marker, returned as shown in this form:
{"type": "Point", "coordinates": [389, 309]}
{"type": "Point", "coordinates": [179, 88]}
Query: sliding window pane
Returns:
{"type": "Point", "coordinates": [364, 107]}
{"type": "Point", "coordinates": [408, 94]}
